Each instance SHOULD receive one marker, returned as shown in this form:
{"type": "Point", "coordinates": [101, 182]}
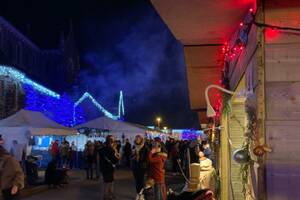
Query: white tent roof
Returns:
{"type": "Point", "coordinates": [116, 127]}
{"type": "Point", "coordinates": [34, 122]}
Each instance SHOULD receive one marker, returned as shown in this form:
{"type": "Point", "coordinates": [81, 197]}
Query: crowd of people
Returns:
{"type": "Point", "coordinates": [145, 157]}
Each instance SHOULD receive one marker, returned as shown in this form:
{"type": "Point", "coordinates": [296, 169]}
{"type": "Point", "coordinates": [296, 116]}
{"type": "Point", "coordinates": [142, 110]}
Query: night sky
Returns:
{"type": "Point", "coordinates": [123, 45]}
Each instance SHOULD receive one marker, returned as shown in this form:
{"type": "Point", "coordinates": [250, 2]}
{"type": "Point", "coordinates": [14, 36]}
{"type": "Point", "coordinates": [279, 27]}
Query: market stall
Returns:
{"type": "Point", "coordinates": [24, 125]}
{"type": "Point", "coordinates": [119, 129]}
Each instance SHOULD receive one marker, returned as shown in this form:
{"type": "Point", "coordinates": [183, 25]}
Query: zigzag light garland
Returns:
{"type": "Point", "coordinates": [87, 95]}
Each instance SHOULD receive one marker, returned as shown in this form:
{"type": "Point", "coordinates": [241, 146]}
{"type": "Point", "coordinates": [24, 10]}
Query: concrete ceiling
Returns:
{"type": "Point", "coordinates": [202, 26]}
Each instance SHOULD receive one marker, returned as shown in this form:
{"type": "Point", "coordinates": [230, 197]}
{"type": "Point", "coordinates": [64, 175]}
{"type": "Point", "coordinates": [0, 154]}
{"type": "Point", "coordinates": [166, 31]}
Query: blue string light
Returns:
{"type": "Point", "coordinates": [57, 107]}
{"type": "Point", "coordinates": [87, 95]}
{"type": "Point", "coordinates": [19, 76]}
{"type": "Point", "coordinates": [60, 110]}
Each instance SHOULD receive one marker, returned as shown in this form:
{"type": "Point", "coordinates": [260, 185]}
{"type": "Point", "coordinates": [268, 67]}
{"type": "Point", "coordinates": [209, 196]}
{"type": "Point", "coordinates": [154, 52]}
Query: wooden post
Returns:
{"type": "Point", "coordinates": [224, 164]}
{"type": "Point", "coordinates": [260, 94]}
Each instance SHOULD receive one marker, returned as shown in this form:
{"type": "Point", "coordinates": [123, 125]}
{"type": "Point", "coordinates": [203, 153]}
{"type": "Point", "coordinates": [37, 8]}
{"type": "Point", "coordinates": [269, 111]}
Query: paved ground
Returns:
{"type": "Point", "coordinates": [79, 188]}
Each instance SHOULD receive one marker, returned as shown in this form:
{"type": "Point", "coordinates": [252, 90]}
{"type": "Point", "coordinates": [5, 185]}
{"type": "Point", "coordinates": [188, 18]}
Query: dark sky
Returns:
{"type": "Point", "coordinates": [123, 45]}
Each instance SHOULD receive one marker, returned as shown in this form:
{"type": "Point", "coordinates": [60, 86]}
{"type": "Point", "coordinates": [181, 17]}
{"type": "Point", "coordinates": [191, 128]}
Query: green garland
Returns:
{"type": "Point", "coordinates": [244, 169]}
{"type": "Point", "coordinates": [226, 108]}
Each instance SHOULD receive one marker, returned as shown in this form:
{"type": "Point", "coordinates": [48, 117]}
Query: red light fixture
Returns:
{"type": "Point", "coordinates": [251, 10]}
{"type": "Point", "coordinates": [241, 24]}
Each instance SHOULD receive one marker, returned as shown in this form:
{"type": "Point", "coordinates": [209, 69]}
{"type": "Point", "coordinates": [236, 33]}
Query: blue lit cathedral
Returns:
{"type": "Point", "coordinates": [18, 54]}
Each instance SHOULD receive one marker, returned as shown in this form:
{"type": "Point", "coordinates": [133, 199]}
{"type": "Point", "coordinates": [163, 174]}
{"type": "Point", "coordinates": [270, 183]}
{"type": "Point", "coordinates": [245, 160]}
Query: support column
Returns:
{"type": "Point", "coordinates": [224, 160]}
{"type": "Point", "coordinates": [260, 94]}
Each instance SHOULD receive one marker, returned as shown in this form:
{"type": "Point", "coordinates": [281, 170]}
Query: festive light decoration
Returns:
{"type": "Point", "coordinates": [190, 135]}
{"type": "Point", "coordinates": [87, 95]}
{"type": "Point", "coordinates": [230, 51]}
{"type": "Point", "coordinates": [121, 110]}
{"type": "Point", "coordinates": [60, 110]}
{"type": "Point", "coordinates": [19, 76]}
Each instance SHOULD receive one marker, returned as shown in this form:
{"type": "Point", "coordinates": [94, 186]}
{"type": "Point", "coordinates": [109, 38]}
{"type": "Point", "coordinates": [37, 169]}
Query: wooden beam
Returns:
{"type": "Point", "coordinates": [260, 94]}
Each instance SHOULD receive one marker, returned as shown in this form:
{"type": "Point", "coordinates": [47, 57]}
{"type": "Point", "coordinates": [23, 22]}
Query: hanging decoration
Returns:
{"type": "Point", "coordinates": [241, 156]}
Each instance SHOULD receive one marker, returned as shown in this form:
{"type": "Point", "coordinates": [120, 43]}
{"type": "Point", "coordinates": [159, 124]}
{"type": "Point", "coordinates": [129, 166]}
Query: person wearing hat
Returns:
{"type": "Point", "coordinates": [109, 157]}
{"type": "Point", "coordinates": [11, 176]}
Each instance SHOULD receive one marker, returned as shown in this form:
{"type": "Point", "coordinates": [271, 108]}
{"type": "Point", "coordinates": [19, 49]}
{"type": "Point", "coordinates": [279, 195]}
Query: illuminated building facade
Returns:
{"type": "Point", "coordinates": [61, 64]}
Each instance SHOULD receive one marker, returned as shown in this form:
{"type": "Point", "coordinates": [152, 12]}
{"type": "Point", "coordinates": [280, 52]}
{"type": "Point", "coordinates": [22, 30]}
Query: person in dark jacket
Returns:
{"type": "Point", "coordinates": [127, 152]}
{"type": "Point", "coordinates": [53, 176]}
{"type": "Point", "coordinates": [139, 162]}
{"type": "Point", "coordinates": [89, 159]}
{"type": "Point", "coordinates": [11, 176]}
{"type": "Point", "coordinates": [109, 157]}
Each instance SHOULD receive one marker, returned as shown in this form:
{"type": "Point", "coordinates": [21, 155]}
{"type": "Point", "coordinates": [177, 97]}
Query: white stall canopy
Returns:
{"type": "Point", "coordinates": [34, 122]}
{"type": "Point", "coordinates": [115, 127]}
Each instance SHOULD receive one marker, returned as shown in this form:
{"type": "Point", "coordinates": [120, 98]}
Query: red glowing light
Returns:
{"type": "Point", "coordinates": [271, 33]}
{"type": "Point", "coordinates": [251, 9]}
{"type": "Point", "coordinates": [241, 48]}
{"type": "Point", "coordinates": [234, 48]}
{"type": "Point", "coordinates": [241, 24]}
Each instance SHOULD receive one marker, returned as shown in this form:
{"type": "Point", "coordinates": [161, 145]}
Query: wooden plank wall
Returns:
{"type": "Point", "coordinates": [237, 125]}
{"type": "Point", "coordinates": [283, 105]}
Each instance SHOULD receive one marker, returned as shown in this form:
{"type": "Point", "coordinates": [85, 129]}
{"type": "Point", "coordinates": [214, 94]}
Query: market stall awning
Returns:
{"type": "Point", "coordinates": [35, 123]}
{"type": "Point", "coordinates": [202, 27]}
{"type": "Point", "coordinates": [114, 126]}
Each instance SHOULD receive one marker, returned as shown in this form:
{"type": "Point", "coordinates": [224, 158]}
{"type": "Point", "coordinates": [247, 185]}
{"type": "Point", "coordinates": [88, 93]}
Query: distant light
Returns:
{"type": "Point", "coordinates": [158, 119]}
{"type": "Point", "coordinates": [251, 10]}
{"type": "Point", "coordinates": [241, 24]}
{"type": "Point", "coordinates": [165, 128]}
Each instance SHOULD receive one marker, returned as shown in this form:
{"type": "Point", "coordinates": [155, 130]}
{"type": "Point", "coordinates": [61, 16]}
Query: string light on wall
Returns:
{"type": "Point", "coordinates": [20, 77]}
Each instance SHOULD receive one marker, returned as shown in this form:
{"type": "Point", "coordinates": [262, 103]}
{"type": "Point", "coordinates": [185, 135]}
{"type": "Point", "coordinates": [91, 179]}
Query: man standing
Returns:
{"type": "Point", "coordinates": [11, 176]}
